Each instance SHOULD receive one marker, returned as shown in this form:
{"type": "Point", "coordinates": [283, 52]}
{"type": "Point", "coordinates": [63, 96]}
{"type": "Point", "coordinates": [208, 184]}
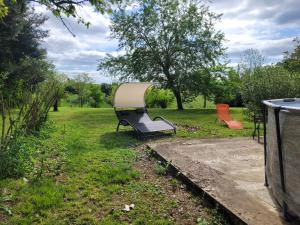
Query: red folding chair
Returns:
{"type": "Point", "coordinates": [224, 116]}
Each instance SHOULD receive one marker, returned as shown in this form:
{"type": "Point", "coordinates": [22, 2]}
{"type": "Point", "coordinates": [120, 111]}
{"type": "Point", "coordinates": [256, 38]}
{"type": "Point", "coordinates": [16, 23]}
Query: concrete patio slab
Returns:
{"type": "Point", "coordinates": [231, 171]}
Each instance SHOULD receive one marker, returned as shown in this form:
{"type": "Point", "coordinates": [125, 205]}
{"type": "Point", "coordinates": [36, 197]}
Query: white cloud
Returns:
{"type": "Point", "coordinates": [268, 25]}
{"type": "Point", "coordinates": [72, 55]}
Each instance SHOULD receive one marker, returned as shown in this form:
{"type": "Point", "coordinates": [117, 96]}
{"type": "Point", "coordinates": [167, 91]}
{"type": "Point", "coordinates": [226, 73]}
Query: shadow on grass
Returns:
{"type": "Point", "coordinates": [122, 139]}
{"type": "Point", "coordinates": [126, 139]}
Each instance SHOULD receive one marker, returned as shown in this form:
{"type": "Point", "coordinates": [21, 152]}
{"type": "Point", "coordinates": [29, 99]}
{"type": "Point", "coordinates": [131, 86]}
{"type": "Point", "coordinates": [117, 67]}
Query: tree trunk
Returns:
{"type": "Point", "coordinates": [55, 106]}
{"type": "Point", "coordinates": [178, 99]}
{"type": "Point", "coordinates": [81, 101]}
{"type": "Point", "coordinates": [3, 121]}
{"type": "Point", "coordinates": [205, 100]}
{"type": "Point", "coordinates": [172, 86]}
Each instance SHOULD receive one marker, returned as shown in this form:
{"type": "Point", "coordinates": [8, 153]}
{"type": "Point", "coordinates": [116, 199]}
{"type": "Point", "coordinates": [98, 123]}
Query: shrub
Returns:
{"type": "Point", "coordinates": [96, 95]}
{"type": "Point", "coordinates": [32, 155]}
{"type": "Point", "coordinates": [159, 98]}
{"type": "Point", "coordinates": [110, 97]}
{"type": "Point", "coordinates": [227, 89]}
{"type": "Point", "coordinates": [16, 158]}
{"type": "Point", "coordinates": [269, 82]}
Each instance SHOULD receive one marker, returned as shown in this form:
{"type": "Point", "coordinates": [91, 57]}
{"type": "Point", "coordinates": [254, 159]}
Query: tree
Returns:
{"type": "Point", "coordinates": [268, 82]}
{"type": "Point", "coordinates": [96, 95]}
{"type": "Point", "coordinates": [61, 8]}
{"type": "Point", "coordinates": [110, 97]}
{"type": "Point", "coordinates": [26, 91]}
{"type": "Point", "coordinates": [291, 60]}
{"type": "Point", "coordinates": [204, 82]}
{"type": "Point", "coordinates": [3, 9]}
{"type": "Point", "coordinates": [228, 88]}
{"type": "Point", "coordinates": [60, 81]}
{"type": "Point", "coordinates": [106, 89]}
{"type": "Point", "coordinates": [21, 54]}
{"type": "Point", "coordinates": [82, 81]}
{"type": "Point", "coordinates": [164, 42]}
{"type": "Point", "coordinates": [250, 60]}
{"type": "Point", "coordinates": [159, 98]}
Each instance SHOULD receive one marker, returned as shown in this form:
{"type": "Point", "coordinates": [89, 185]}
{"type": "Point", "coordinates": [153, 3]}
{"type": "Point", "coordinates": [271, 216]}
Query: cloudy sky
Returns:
{"type": "Point", "coordinates": [267, 25]}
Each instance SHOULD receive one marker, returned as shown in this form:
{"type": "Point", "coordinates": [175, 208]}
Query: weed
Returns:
{"type": "Point", "coordinates": [202, 221]}
{"type": "Point", "coordinates": [216, 218]}
{"type": "Point", "coordinates": [174, 183]}
{"type": "Point", "coordinates": [161, 168]}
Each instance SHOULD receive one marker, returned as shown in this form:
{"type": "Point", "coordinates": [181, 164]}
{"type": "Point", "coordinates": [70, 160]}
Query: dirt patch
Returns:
{"type": "Point", "coordinates": [187, 127]}
{"type": "Point", "coordinates": [189, 208]}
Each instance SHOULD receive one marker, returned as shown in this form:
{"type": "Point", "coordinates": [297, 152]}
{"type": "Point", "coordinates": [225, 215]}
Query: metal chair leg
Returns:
{"type": "Point", "coordinates": [118, 126]}
{"type": "Point", "coordinates": [258, 132]}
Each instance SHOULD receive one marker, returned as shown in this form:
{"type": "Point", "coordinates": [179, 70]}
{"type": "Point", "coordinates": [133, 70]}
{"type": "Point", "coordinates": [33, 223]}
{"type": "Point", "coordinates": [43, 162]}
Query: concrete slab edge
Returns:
{"type": "Point", "coordinates": [195, 189]}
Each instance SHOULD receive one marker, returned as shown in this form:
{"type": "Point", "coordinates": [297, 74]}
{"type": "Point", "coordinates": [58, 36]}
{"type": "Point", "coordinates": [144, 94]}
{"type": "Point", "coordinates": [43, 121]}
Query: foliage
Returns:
{"type": "Point", "coordinates": [3, 9]}
{"type": "Point", "coordinates": [110, 98]}
{"type": "Point", "coordinates": [106, 89]}
{"type": "Point", "coordinates": [16, 158]}
{"type": "Point", "coordinates": [28, 85]}
{"type": "Point", "coordinates": [29, 113]}
{"type": "Point", "coordinates": [251, 59]}
{"type": "Point", "coordinates": [219, 83]}
{"type": "Point", "coordinates": [49, 156]}
{"type": "Point", "coordinates": [21, 57]}
{"type": "Point", "coordinates": [33, 156]}
{"type": "Point", "coordinates": [20, 42]}
{"type": "Point", "coordinates": [205, 82]}
{"type": "Point", "coordinates": [96, 95]}
{"type": "Point", "coordinates": [269, 82]}
{"type": "Point", "coordinates": [215, 219]}
{"type": "Point", "coordinates": [164, 42]}
{"type": "Point", "coordinates": [70, 87]}
{"type": "Point", "coordinates": [291, 60]}
{"type": "Point", "coordinates": [68, 8]}
{"type": "Point", "coordinates": [161, 168]}
{"type": "Point", "coordinates": [60, 88]}
{"type": "Point", "coordinates": [81, 83]}
{"type": "Point", "coordinates": [159, 98]}
{"type": "Point", "coordinates": [81, 91]}
{"type": "Point", "coordinates": [23, 113]}
{"type": "Point", "coordinates": [228, 88]}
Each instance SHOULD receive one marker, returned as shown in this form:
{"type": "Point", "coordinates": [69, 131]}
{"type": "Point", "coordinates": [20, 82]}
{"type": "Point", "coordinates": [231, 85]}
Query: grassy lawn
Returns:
{"type": "Point", "coordinates": [105, 170]}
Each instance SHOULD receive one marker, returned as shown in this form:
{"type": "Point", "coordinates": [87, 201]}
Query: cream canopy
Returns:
{"type": "Point", "coordinates": [131, 95]}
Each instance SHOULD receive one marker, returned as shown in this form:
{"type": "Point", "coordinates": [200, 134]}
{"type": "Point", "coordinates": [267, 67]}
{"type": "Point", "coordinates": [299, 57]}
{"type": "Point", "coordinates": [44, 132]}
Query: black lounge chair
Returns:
{"type": "Point", "coordinates": [131, 95]}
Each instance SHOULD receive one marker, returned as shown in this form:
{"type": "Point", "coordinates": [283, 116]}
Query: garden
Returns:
{"type": "Point", "coordinates": [61, 159]}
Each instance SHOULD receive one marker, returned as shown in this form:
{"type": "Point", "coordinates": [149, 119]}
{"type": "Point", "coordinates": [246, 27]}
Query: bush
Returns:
{"type": "Point", "coordinates": [227, 89]}
{"type": "Point", "coordinates": [110, 97]}
{"type": "Point", "coordinates": [96, 95]}
{"type": "Point", "coordinates": [32, 155]}
{"type": "Point", "coordinates": [269, 82]}
{"type": "Point", "coordinates": [16, 159]}
{"type": "Point", "coordinates": [159, 98]}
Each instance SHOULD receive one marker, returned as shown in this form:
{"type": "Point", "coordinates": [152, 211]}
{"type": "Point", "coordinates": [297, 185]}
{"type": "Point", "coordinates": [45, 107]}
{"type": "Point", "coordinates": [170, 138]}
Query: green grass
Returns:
{"type": "Point", "coordinates": [98, 178]}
